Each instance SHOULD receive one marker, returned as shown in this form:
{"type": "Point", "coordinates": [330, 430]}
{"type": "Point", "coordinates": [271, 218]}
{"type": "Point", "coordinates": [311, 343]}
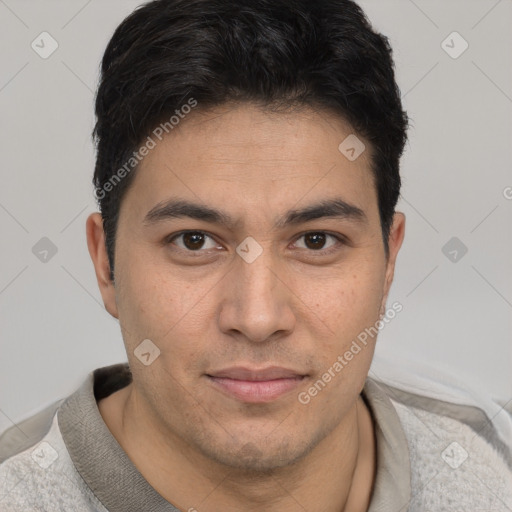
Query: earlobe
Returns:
{"type": "Point", "coordinates": [98, 253]}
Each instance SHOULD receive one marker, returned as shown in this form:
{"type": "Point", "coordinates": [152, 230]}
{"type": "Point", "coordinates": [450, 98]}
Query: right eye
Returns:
{"type": "Point", "coordinates": [192, 241]}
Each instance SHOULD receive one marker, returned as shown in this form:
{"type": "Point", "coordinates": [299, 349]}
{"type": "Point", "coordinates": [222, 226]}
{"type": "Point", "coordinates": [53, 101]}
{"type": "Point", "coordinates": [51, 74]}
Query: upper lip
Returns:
{"type": "Point", "coordinates": [250, 374]}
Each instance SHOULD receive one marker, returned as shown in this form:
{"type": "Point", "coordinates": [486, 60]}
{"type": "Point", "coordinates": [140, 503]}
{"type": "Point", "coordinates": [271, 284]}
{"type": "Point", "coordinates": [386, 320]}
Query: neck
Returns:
{"type": "Point", "coordinates": [336, 476]}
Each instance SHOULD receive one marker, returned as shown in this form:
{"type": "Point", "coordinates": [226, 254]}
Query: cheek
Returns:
{"type": "Point", "coordinates": [343, 312]}
{"type": "Point", "coordinates": [346, 301]}
{"type": "Point", "coordinates": [350, 310]}
{"type": "Point", "coordinates": [148, 302]}
{"type": "Point", "coordinates": [171, 311]}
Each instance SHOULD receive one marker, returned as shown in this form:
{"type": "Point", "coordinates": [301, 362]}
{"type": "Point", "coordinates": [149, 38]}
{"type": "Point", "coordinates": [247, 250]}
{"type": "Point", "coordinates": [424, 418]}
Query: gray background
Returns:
{"type": "Point", "coordinates": [457, 183]}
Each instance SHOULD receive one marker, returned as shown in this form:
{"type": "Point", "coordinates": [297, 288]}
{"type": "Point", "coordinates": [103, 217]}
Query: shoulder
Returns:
{"type": "Point", "coordinates": [36, 471]}
{"type": "Point", "coordinates": [26, 433]}
{"type": "Point", "coordinates": [457, 457]}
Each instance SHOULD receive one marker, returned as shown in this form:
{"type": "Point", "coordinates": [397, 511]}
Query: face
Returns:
{"type": "Point", "coordinates": [249, 251]}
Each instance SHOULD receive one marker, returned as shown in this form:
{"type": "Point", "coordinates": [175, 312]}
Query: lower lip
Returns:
{"type": "Point", "coordinates": [256, 391]}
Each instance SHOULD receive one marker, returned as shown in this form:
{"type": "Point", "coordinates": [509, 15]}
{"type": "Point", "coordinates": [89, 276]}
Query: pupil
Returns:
{"type": "Point", "coordinates": [318, 240]}
{"type": "Point", "coordinates": [193, 240]}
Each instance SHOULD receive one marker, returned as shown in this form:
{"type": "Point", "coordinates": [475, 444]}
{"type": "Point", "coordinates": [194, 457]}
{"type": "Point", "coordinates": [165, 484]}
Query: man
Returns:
{"type": "Point", "coordinates": [247, 176]}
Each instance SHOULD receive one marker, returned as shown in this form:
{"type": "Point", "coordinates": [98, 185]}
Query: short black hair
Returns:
{"type": "Point", "coordinates": [169, 54]}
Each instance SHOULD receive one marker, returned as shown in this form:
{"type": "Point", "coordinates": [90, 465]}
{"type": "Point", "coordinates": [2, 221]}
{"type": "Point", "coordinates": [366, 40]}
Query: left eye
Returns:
{"type": "Point", "coordinates": [317, 240]}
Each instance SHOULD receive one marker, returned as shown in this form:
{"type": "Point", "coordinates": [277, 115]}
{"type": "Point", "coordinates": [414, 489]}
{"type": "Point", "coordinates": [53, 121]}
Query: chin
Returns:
{"type": "Point", "coordinates": [260, 457]}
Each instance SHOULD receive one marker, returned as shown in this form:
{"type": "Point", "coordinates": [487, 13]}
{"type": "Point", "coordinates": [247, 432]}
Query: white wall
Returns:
{"type": "Point", "coordinates": [456, 170]}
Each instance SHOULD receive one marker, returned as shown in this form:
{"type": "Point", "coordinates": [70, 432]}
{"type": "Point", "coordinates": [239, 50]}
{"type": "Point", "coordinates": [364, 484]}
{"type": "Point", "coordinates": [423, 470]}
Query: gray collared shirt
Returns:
{"type": "Point", "coordinates": [65, 458]}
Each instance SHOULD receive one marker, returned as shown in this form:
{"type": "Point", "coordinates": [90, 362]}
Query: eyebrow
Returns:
{"type": "Point", "coordinates": [330, 208]}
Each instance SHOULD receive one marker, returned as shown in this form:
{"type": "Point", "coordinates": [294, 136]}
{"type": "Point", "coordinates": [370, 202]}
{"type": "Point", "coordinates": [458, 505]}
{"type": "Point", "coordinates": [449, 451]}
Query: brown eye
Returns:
{"type": "Point", "coordinates": [315, 240]}
{"type": "Point", "coordinates": [319, 241]}
{"type": "Point", "coordinates": [193, 241]}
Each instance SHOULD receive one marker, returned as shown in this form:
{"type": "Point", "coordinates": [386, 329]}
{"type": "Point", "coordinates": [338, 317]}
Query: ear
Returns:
{"type": "Point", "coordinates": [396, 237]}
{"type": "Point", "coordinates": [98, 252]}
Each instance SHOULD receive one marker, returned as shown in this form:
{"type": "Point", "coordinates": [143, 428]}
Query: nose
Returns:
{"type": "Point", "coordinates": [256, 300]}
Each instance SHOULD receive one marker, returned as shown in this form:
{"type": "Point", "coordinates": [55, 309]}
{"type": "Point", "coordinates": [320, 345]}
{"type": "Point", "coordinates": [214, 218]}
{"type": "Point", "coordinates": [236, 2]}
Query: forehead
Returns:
{"type": "Point", "coordinates": [239, 154]}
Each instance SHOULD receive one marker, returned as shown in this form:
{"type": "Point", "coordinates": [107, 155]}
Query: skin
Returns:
{"type": "Point", "coordinates": [297, 306]}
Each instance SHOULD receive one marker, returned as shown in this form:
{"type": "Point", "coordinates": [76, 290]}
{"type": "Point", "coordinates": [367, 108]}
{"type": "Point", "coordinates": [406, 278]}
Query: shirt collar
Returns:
{"type": "Point", "coordinates": [392, 487]}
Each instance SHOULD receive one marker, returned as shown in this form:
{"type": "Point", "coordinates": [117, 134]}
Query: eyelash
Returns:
{"type": "Point", "coordinates": [341, 241]}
